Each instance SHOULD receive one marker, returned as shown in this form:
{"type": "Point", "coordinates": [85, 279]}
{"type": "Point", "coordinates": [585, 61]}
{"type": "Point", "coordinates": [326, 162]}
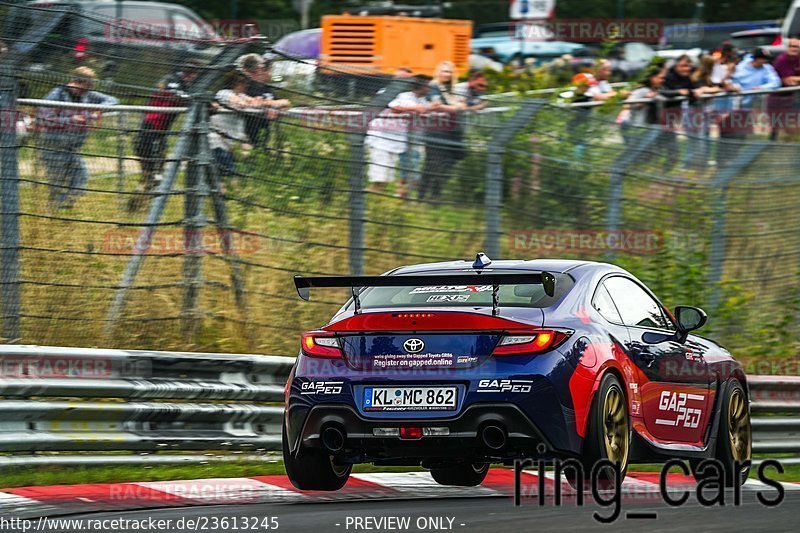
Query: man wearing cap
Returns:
{"type": "Point", "coordinates": [583, 81]}
{"type": "Point", "coordinates": [755, 73]}
{"type": "Point", "coordinates": [64, 131]}
{"type": "Point", "coordinates": [259, 76]}
{"type": "Point", "coordinates": [150, 144]}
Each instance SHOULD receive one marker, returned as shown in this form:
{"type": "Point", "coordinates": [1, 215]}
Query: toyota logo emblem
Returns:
{"type": "Point", "coordinates": [413, 345]}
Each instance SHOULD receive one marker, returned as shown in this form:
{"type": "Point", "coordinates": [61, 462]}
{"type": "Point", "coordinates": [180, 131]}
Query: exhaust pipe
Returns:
{"type": "Point", "coordinates": [332, 439]}
{"type": "Point", "coordinates": [494, 437]}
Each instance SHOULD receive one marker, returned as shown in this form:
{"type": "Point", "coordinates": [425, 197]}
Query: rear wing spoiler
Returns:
{"type": "Point", "coordinates": [356, 283]}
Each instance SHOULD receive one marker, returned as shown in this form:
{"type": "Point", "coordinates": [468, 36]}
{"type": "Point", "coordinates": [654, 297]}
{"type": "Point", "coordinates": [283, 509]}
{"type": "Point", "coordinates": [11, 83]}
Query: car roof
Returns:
{"type": "Point", "coordinates": [56, 3]}
{"type": "Point", "coordinates": [757, 32]}
{"type": "Point", "coordinates": [550, 265]}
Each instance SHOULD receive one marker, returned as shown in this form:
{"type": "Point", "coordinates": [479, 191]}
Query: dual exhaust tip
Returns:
{"type": "Point", "coordinates": [333, 439]}
{"type": "Point", "coordinates": [492, 437]}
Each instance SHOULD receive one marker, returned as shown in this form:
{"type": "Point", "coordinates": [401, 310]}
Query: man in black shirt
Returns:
{"type": "Point", "coordinates": [259, 76]}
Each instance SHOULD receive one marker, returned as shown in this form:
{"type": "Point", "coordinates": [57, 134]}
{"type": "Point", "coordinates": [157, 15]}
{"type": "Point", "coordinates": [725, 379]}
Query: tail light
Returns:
{"type": "Point", "coordinates": [778, 41]}
{"type": "Point", "coordinates": [530, 342]}
{"type": "Point", "coordinates": [320, 344]}
{"type": "Point", "coordinates": [81, 48]}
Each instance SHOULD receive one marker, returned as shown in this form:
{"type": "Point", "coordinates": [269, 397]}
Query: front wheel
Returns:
{"type": "Point", "coordinates": [460, 475]}
{"type": "Point", "coordinates": [734, 439]}
{"type": "Point", "coordinates": [313, 469]}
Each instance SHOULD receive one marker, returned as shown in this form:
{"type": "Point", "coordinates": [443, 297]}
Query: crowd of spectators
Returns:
{"type": "Point", "coordinates": [412, 157]}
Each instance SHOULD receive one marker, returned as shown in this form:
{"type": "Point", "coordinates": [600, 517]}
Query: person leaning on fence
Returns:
{"type": "Point", "coordinates": [152, 139]}
{"type": "Point", "coordinates": [639, 114]}
{"type": "Point", "coordinates": [603, 90]}
{"type": "Point", "coordinates": [258, 72]}
{"type": "Point", "coordinates": [784, 106]}
{"type": "Point", "coordinates": [578, 115]}
{"type": "Point", "coordinates": [64, 131]}
{"type": "Point", "coordinates": [387, 136]}
{"type": "Point", "coordinates": [753, 73]}
{"type": "Point", "coordinates": [444, 141]}
{"type": "Point", "coordinates": [228, 122]}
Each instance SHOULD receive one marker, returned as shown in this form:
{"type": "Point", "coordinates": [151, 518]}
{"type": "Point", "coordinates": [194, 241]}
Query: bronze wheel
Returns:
{"type": "Point", "coordinates": [607, 437]}
{"type": "Point", "coordinates": [615, 427]}
{"type": "Point", "coordinates": [739, 432]}
{"type": "Point", "coordinates": [734, 439]}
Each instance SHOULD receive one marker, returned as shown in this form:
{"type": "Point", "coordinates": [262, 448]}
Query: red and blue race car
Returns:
{"type": "Point", "coordinates": [458, 365]}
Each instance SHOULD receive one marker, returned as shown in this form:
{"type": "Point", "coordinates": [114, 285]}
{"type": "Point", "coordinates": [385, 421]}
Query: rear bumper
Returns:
{"type": "Point", "coordinates": [523, 437]}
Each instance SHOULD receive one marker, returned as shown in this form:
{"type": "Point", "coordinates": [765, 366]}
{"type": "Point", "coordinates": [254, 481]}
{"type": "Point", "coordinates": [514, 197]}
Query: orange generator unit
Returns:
{"type": "Point", "coordinates": [382, 44]}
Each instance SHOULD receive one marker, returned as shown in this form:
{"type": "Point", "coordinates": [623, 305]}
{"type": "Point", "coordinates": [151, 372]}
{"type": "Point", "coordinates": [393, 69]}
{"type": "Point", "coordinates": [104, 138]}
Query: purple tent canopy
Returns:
{"type": "Point", "coordinates": [304, 44]}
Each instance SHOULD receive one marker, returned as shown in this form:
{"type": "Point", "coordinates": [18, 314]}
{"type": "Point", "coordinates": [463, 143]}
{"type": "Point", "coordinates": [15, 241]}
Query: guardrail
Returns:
{"type": "Point", "coordinates": [63, 399]}
{"type": "Point", "coordinates": [92, 400]}
{"type": "Point", "coordinates": [775, 407]}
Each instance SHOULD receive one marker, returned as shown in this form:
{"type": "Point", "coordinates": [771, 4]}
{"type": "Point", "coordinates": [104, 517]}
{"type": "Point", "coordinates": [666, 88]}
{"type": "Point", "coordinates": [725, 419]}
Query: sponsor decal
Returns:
{"type": "Point", "coordinates": [675, 402]}
{"type": "Point", "coordinates": [449, 298]}
{"type": "Point", "coordinates": [451, 288]}
{"type": "Point", "coordinates": [409, 360]}
{"type": "Point", "coordinates": [504, 385]}
{"type": "Point", "coordinates": [321, 387]}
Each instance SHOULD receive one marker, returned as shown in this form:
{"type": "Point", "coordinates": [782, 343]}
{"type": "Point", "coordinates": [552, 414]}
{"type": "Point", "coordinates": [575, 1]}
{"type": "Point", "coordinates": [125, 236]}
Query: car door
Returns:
{"type": "Point", "coordinates": [675, 399]}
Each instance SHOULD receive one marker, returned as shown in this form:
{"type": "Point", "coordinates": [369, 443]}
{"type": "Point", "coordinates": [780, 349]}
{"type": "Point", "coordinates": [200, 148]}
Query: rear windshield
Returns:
{"type": "Point", "coordinates": [523, 295]}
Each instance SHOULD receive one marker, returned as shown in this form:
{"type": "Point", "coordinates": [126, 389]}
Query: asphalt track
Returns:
{"type": "Point", "coordinates": [493, 515]}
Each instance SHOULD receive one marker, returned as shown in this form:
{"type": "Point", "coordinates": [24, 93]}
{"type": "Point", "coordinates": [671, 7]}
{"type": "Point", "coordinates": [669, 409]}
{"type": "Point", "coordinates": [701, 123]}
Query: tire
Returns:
{"type": "Point", "coordinates": [313, 469]}
{"type": "Point", "coordinates": [734, 438]}
{"type": "Point", "coordinates": [461, 475]}
{"type": "Point", "coordinates": [608, 434]}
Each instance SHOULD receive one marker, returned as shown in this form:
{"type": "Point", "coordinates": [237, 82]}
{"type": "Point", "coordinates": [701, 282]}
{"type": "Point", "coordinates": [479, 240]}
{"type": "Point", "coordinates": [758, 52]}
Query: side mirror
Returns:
{"type": "Point", "coordinates": [689, 319]}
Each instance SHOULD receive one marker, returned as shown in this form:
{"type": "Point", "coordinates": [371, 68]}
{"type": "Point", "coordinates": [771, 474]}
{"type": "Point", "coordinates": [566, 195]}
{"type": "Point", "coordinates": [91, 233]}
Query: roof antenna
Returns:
{"type": "Point", "coordinates": [481, 261]}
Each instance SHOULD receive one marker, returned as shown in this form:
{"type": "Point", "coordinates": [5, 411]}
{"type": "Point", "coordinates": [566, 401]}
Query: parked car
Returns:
{"type": "Point", "coordinates": [102, 24]}
{"type": "Point", "coordinates": [516, 42]}
{"type": "Point", "coordinates": [454, 366]}
{"type": "Point", "coordinates": [79, 28]}
{"type": "Point", "coordinates": [769, 39]}
{"type": "Point", "coordinates": [627, 59]}
{"type": "Point", "coordinates": [516, 52]}
{"type": "Point", "coordinates": [695, 38]}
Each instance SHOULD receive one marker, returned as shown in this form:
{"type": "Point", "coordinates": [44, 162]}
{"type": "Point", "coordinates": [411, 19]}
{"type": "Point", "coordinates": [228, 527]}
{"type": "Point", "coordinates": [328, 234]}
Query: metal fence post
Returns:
{"type": "Point", "coordinates": [357, 171]}
{"type": "Point", "coordinates": [194, 221]}
{"type": "Point", "coordinates": [716, 256]}
{"type": "Point", "coordinates": [617, 179]}
{"type": "Point", "coordinates": [358, 203]}
{"type": "Point", "coordinates": [496, 148]}
{"type": "Point", "coordinates": [9, 210]}
{"type": "Point", "coordinates": [157, 206]}
{"type": "Point", "coordinates": [121, 157]}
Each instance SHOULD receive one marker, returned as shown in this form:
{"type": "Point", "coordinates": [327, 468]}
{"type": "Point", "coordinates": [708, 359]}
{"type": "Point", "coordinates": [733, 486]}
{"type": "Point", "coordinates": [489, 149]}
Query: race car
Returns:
{"type": "Point", "coordinates": [457, 365]}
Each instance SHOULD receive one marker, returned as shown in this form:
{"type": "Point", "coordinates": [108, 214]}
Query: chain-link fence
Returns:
{"type": "Point", "coordinates": [159, 212]}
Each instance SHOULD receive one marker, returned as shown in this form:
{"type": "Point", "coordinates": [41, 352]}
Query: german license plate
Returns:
{"type": "Point", "coordinates": [409, 398]}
